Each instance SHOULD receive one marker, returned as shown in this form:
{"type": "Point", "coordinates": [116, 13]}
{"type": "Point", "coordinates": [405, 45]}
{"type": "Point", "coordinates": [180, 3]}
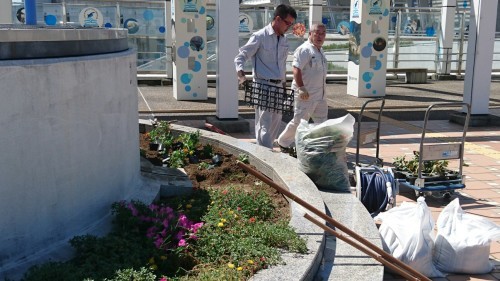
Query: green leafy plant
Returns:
{"type": "Point", "coordinates": [436, 167]}
{"type": "Point", "coordinates": [244, 158]}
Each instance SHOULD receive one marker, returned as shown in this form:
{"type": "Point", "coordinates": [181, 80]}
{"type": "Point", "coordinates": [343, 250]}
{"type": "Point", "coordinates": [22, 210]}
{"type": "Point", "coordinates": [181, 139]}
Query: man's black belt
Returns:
{"type": "Point", "coordinates": [275, 81]}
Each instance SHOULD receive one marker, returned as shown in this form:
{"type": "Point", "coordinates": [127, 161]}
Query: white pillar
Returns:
{"type": "Point", "coordinates": [479, 55]}
{"type": "Point", "coordinates": [5, 11]}
{"type": "Point", "coordinates": [368, 43]}
{"type": "Point", "coordinates": [227, 25]}
{"type": "Point", "coordinates": [446, 35]}
{"type": "Point", "coordinates": [315, 11]}
{"type": "Point", "coordinates": [168, 39]}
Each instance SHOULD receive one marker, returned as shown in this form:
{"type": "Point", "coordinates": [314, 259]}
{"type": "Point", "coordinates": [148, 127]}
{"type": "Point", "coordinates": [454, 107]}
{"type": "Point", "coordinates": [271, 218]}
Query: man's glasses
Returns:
{"type": "Point", "coordinates": [288, 23]}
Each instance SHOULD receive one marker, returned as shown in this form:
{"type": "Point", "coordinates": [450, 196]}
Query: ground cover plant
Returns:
{"type": "Point", "coordinates": [231, 226]}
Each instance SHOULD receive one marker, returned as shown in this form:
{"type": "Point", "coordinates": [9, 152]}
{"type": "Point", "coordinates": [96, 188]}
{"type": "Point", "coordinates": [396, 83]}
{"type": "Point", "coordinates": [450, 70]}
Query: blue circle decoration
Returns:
{"type": "Point", "coordinates": [368, 85]}
{"type": "Point", "coordinates": [200, 56]}
{"type": "Point", "coordinates": [381, 55]}
{"type": "Point", "coordinates": [50, 20]}
{"type": "Point", "coordinates": [324, 20]}
{"type": "Point", "coordinates": [197, 66]}
{"type": "Point", "coordinates": [162, 29]}
{"type": "Point", "coordinates": [148, 15]}
{"type": "Point", "coordinates": [386, 12]}
{"type": "Point", "coordinates": [367, 76]}
{"type": "Point", "coordinates": [374, 92]}
{"type": "Point", "coordinates": [186, 78]}
{"type": "Point", "coordinates": [378, 65]}
{"type": "Point", "coordinates": [183, 20]}
{"type": "Point", "coordinates": [380, 18]}
{"type": "Point", "coordinates": [202, 10]}
{"type": "Point", "coordinates": [108, 25]}
{"type": "Point", "coordinates": [183, 52]}
{"type": "Point", "coordinates": [187, 88]}
{"type": "Point", "coordinates": [366, 52]}
{"type": "Point", "coordinates": [195, 95]}
{"type": "Point", "coordinates": [132, 25]}
{"type": "Point", "coordinates": [368, 22]}
{"type": "Point", "coordinates": [465, 4]}
{"type": "Point", "coordinates": [186, 44]}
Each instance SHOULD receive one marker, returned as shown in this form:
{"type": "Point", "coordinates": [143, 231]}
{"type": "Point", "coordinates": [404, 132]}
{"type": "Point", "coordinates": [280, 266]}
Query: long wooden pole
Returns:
{"type": "Point", "coordinates": [358, 246]}
{"type": "Point", "coordinates": [333, 222]}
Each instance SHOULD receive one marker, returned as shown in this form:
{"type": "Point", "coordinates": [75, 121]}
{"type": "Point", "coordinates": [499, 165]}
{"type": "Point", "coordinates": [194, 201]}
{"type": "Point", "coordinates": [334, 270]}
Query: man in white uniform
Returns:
{"type": "Point", "coordinates": [268, 50]}
{"type": "Point", "coordinates": [309, 80]}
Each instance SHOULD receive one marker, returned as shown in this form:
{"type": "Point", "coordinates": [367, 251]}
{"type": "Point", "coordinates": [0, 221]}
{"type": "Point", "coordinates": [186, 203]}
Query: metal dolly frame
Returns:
{"type": "Point", "coordinates": [424, 185]}
{"type": "Point", "coordinates": [370, 136]}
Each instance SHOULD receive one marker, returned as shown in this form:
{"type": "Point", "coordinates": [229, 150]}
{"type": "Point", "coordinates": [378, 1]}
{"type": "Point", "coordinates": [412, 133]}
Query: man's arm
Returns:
{"type": "Point", "coordinates": [297, 76]}
{"type": "Point", "coordinates": [246, 52]}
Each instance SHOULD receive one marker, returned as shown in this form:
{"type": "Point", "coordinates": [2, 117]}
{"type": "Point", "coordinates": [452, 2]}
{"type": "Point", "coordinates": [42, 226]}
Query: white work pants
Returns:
{"type": "Point", "coordinates": [317, 110]}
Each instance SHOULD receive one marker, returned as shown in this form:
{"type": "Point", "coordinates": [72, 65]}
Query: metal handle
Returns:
{"type": "Point", "coordinates": [360, 117]}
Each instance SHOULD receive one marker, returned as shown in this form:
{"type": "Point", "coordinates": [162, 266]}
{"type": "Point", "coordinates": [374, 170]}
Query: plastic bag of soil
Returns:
{"type": "Point", "coordinates": [321, 152]}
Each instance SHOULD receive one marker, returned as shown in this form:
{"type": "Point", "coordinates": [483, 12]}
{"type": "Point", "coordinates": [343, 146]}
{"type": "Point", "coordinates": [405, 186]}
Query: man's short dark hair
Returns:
{"type": "Point", "coordinates": [284, 10]}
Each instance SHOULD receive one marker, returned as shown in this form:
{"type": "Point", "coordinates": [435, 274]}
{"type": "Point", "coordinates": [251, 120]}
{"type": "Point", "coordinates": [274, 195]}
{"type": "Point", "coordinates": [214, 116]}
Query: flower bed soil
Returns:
{"type": "Point", "coordinates": [228, 173]}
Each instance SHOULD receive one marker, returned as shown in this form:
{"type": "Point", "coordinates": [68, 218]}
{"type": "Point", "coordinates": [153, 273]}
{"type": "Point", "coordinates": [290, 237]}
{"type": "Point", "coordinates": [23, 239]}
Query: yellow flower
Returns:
{"type": "Point", "coordinates": [236, 216]}
{"type": "Point", "coordinates": [250, 261]}
{"type": "Point", "coordinates": [239, 268]}
{"type": "Point", "coordinates": [189, 206]}
{"type": "Point", "coordinates": [154, 267]}
{"type": "Point", "coordinates": [231, 212]}
{"type": "Point", "coordinates": [220, 224]}
{"type": "Point", "coordinates": [152, 260]}
{"type": "Point", "coordinates": [163, 258]}
{"type": "Point", "coordinates": [223, 220]}
{"type": "Point", "coordinates": [230, 265]}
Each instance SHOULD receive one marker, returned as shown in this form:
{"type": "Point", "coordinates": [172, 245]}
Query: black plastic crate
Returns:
{"type": "Point", "coordinates": [269, 97]}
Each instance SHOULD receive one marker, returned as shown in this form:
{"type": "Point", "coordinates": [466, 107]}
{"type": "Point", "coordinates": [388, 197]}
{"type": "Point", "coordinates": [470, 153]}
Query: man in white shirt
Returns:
{"type": "Point", "coordinates": [268, 49]}
{"type": "Point", "coordinates": [309, 81]}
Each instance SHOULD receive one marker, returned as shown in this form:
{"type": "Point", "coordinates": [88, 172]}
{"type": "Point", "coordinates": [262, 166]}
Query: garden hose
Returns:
{"type": "Point", "coordinates": [377, 190]}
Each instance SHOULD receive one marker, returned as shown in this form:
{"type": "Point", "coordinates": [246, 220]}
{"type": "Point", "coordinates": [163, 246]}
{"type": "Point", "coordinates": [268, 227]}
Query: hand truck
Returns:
{"type": "Point", "coordinates": [438, 186]}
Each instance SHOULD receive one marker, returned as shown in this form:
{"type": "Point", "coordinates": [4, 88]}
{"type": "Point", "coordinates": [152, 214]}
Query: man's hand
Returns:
{"type": "Point", "coordinates": [241, 77]}
{"type": "Point", "coordinates": [303, 94]}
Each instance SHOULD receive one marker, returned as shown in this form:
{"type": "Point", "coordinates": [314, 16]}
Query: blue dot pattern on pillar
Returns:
{"type": "Point", "coordinates": [183, 51]}
{"type": "Point", "coordinates": [381, 55]}
{"type": "Point", "coordinates": [50, 20]}
{"type": "Point", "coordinates": [187, 88]}
{"type": "Point", "coordinates": [378, 65]}
{"type": "Point", "coordinates": [148, 15]}
{"type": "Point", "coordinates": [183, 20]}
{"type": "Point", "coordinates": [197, 66]}
{"type": "Point", "coordinates": [368, 85]}
{"type": "Point", "coordinates": [195, 95]}
{"type": "Point", "coordinates": [162, 29]}
{"type": "Point", "coordinates": [202, 10]}
{"type": "Point", "coordinates": [366, 52]}
{"type": "Point", "coordinates": [108, 25]}
{"type": "Point", "coordinates": [186, 78]}
{"type": "Point", "coordinates": [368, 22]}
{"type": "Point", "coordinates": [200, 56]}
{"type": "Point", "coordinates": [374, 92]}
{"type": "Point", "coordinates": [386, 12]}
{"type": "Point", "coordinates": [367, 76]}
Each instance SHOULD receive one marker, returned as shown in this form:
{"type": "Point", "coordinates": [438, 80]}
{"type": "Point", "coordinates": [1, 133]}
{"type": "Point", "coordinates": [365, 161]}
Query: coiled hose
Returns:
{"type": "Point", "coordinates": [377, 190]}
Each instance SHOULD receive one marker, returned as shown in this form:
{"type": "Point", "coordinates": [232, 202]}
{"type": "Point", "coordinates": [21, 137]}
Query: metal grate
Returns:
{"type": "Point", "coordinates": [269, 97]}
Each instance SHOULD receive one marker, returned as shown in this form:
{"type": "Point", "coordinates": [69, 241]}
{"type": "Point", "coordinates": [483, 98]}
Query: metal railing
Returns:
{"type": "Point", "coordinates": [413, 33]}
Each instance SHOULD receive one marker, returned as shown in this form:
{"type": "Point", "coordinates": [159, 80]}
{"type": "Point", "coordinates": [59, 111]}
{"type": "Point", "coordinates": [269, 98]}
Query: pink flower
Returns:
{"type": "Point", "coordinates": [196, 226]}
{"type": "Point", "coordinates": [163, 279]}
{"type": "Point", "coordinates": [133, 209]}
{"type": "Point", "coordinates": [165, 222]}
{"type": "Point", "coordinates": [182, 243]}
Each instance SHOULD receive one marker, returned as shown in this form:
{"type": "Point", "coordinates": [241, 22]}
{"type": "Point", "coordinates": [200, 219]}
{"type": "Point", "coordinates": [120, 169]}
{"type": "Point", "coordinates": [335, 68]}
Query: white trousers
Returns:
{"type": "Point", "coordinates": [317, 110]}
{"type": "Point", "coordinates": [267, 126]}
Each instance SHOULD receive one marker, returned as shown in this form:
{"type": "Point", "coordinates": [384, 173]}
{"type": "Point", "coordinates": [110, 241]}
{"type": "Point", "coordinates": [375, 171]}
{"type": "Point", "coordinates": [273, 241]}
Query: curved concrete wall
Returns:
{"type": "Point", "coordinates": [68, 148]}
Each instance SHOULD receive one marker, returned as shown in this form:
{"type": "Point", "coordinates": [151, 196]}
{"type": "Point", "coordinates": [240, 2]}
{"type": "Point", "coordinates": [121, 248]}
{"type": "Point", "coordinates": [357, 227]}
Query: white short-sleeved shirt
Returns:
{"type": "Point", "coordinates": [313, 64]}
